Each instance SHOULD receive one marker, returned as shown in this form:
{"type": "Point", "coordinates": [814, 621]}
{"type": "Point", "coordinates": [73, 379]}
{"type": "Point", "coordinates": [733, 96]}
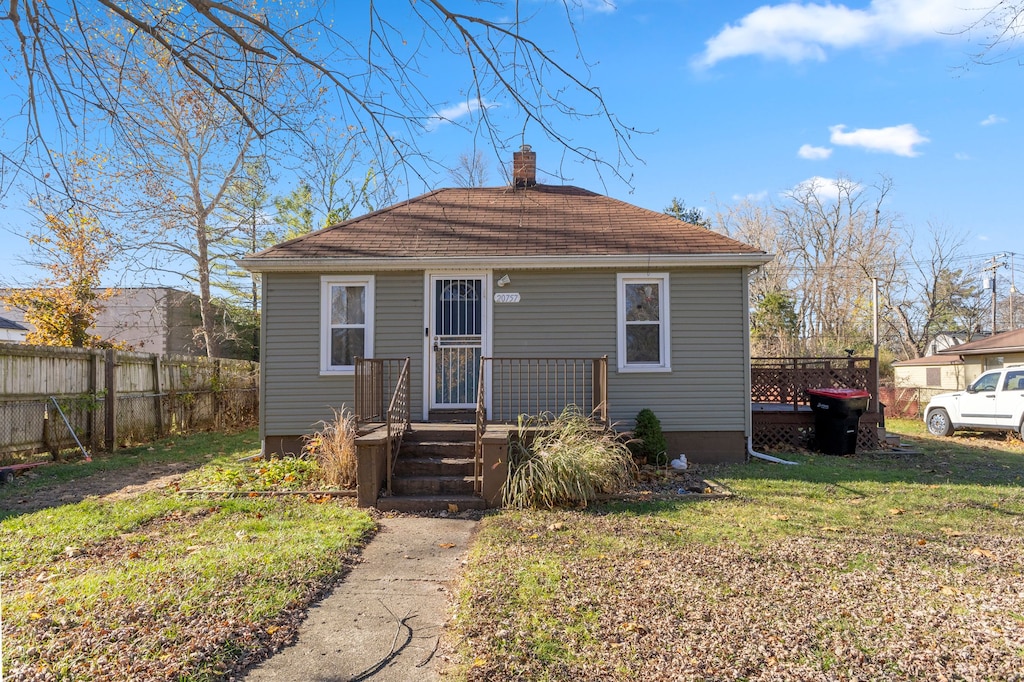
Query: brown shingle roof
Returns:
{"type": "Point", "coordinates": [543, 220]}
{"type": "Point", "coordinates": [929, 360]}
{"type": "Point", "coordinates": [1007, 342]}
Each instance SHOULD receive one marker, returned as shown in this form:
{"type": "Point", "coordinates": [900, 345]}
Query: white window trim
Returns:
{"type": "Point", "coordinates": [661, 279]}
{"type": "Point", "coordinates": [326, 282]}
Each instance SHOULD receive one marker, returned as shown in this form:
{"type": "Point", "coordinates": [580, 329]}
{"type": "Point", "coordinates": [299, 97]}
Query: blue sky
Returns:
{"type": "Point", "coordinates": [749, 99]}
{"type": "Point", "coordinates": [746, 99]}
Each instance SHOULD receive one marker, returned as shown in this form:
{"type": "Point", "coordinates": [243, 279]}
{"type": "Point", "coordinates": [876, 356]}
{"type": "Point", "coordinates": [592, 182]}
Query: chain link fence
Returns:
{"type": "Point", "coordinates": [908, 402]}
{"type": "Point", "coordinates": [59, 401]}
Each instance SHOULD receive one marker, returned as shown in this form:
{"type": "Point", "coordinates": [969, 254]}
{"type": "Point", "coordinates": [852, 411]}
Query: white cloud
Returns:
{"type": "Point", "coordinates": [807, 151]}
{"type": "Point", "coordinates": [823, 188]}
{"type": "Point", "coordinates": [753, 197]}
{"type": "Point", "coordinates": [604, 6]}
{"type": "Point", "coordinates": [961, 156]}
{"type": "Point", "coordinates": [454, 113]}
{"type": "Point", "coordinates": [992, 120]}
{"type": "Point", "coordinates": [797, 31]}
{"type": "Point", "coordinates": [899, 140]}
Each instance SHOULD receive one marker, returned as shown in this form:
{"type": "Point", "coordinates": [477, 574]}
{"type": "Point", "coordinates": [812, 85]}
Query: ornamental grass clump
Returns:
{"type": "Point", "coordinates": [333, 448]}
{"type": "Point", "coordinates": [564, 461]}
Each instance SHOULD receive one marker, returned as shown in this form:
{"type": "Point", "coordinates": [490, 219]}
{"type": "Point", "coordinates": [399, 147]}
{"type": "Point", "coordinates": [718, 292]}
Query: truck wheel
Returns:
{"type": "Point", "coordinates": [8, 476]}
{"type": "Point", "coordinates": [938, 423]}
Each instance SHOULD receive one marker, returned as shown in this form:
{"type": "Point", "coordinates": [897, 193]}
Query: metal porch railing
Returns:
{"type": "Point", "coordinates": [378, 380]}
{"type": "Point", "coordinates": [536, 386]}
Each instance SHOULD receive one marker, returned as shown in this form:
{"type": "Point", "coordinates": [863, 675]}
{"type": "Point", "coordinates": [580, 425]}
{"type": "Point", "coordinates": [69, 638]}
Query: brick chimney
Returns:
{"type": "Point", "coordinates": [524, 167]}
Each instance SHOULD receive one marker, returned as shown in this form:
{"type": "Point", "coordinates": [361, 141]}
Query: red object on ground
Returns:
{"type": "Point", "coordinates": [839, 393]}
{"type": "Point", "coordinates": [9, 471]}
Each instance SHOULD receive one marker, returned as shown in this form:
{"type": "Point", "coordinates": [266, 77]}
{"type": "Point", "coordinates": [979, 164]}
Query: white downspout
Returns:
{"type": "Point", "coordinates": [750, 404]}
{"type": "Point", "coordinates": [760, 455]}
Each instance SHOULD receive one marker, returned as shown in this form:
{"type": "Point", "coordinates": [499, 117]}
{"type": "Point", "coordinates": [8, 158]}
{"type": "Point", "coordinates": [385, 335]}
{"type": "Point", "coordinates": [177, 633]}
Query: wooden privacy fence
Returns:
{"type": "Point", "coordinates": [111, 398]}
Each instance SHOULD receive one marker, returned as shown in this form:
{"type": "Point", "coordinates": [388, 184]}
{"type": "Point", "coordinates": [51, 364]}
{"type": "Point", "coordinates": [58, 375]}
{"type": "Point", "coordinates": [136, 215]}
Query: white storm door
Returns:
{"type": "Point", "coordinates": [456, 336]}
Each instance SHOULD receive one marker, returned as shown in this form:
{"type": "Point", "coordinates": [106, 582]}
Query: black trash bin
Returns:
{"type": "Point", "coordinates": [837, 414]}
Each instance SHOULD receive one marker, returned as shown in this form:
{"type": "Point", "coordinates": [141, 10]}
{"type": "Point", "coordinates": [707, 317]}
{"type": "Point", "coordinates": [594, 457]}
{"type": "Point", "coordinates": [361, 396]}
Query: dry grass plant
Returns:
{"type": "Point", "coordinates": [564, 461]}
{"type": "Point", "coordinates": [333, 447]}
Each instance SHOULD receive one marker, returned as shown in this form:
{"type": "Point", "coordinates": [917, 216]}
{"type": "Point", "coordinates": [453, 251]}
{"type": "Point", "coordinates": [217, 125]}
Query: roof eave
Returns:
{"type": "Point", "coordinates": [574, 262]}
{"type": "Point", "coordinates": [983, 351]}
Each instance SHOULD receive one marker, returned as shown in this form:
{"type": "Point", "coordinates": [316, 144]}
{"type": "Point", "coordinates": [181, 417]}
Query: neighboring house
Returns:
{"type": "Point", "coordinates": [994, 351]}
{"type": "Point", "coordinates": [526, 271]}
{"type": "Point", "coordinates": [11, 331]}
{"type": "Point", "coordinates": [938, 372]}
{"type": "Point", "coordinates": [946, 340]}
{"type": "Point", "coordinates": [158, 320]}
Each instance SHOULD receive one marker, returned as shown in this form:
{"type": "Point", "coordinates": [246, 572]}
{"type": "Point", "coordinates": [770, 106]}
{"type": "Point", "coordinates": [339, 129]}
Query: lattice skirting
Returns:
{"type": "Point", "coordinates": [774, 432]}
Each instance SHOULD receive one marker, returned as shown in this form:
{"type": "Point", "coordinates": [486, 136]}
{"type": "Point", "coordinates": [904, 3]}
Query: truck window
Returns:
{"type": "Point", "coordinates": [1014, 380]}
{"type": "Point", "coordinates": [987, 382]}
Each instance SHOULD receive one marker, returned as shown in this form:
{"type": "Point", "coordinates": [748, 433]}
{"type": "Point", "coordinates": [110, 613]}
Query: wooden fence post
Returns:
{"type": "Point", "coordinates": [216, 387]}
{"type": "Point", "coordinates": [158, 389]}
{"type": "Point", "coordinates": [91, 426]}
{"type": "Point", "coordinates": [110, 435]}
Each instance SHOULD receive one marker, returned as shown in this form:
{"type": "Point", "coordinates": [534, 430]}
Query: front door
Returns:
{"type": "Point", "coordinates": [456, 335]}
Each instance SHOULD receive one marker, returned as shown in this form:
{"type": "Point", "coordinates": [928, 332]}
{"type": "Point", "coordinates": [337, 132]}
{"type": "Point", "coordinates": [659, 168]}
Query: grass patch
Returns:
{"type": "Point", "coordinates": [162, 586]}
{"type": "Point", "coordinates": [875, 566]}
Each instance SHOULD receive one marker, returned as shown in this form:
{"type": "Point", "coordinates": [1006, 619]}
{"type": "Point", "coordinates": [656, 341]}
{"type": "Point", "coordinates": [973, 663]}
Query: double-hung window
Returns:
{"type": "Point", "coordinates": [643, 323]}
{"type": "Point", "coordinates": [346, 322]}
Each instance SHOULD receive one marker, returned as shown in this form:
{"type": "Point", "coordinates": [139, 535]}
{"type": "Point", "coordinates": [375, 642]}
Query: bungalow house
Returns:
{"type": "Point", "coordinates": [984, 354]}
{"type": "Point", "coordinates": [509, 300]}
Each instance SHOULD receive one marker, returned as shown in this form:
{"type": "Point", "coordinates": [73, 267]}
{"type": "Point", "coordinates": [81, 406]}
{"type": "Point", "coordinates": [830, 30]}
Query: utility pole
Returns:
{"type": "Point", "coordinates": [992, 269]}
{"type": "Point", "coordinates": [874, 339]}
{"type": "Point", "coordinates": [1013, 290]}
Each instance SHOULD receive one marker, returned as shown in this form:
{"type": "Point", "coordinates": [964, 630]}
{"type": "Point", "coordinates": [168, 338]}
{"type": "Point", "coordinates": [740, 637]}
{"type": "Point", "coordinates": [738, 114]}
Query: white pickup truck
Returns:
{"type": "Point", "coordinates": [994, 402]}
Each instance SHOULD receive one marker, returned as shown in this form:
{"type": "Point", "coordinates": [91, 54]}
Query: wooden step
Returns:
{"type": "Point", "coordinates": [432, 485]}
{"type": "Point", "coordinates": [437, 448]}
{"type": "Point", "coordinates": [433, 466]}
{"type": "Point", "coordinates": [418, 433]}
{"type": "Point", "coordinates": [430, 503]}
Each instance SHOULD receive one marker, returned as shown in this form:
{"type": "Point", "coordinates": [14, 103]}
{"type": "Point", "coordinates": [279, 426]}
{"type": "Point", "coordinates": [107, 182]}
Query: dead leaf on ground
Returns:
{"type": "Point", "coordinates": [896, 511]}
{"type": "Point", "coordinates": [978, 551]}
{"type": "Point", "coordinates": [446, 545]}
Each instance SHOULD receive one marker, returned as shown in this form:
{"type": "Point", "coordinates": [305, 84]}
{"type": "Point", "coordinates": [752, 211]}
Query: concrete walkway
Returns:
{"type": "Point", "coordinates": [383, 622]}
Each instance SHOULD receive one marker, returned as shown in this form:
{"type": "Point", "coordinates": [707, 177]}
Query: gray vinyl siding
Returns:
{"type": "Point", "coordinates": [560, 314]}
{"type": "Point", "coordinates": [564, 314]}
{"type": "Point", "coordinates": [295, 395]}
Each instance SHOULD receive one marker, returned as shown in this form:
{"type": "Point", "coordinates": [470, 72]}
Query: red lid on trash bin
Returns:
{"type": "Point", "coordinates": [839, 393]}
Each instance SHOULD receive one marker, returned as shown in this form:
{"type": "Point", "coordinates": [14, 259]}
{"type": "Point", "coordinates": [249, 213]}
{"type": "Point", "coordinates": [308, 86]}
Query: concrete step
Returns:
{"type": "Point", "coordinates": [432, 485]}
{"type": "Point", "coordinates": [430, 503]}
{"type": "Point", "coordinates": [434, 466]}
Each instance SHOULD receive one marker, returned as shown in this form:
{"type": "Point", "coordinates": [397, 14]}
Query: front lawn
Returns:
{"type": "Point", "coordinates": [876, 566]}
{"type": "Point", "coordinates": [162, 586]}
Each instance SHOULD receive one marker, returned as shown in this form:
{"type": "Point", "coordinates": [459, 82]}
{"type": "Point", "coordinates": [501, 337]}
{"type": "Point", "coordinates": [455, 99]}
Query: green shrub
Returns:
{"type": "Point", "coordinates": [569, 461]}
{"type": "Point", "coordinates": [649, 442]}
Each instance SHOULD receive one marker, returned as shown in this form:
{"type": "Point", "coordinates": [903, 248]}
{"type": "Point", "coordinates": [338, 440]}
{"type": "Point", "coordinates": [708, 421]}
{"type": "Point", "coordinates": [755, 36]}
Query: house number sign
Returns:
{"type": "Point", "coordinates": [510, 297]}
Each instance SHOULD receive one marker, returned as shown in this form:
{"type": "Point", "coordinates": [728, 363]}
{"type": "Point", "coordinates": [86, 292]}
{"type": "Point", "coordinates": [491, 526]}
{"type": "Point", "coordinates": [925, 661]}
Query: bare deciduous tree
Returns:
{"type": "Point", "coordinates": [933, 294]}
{"type": "Point", "coordinates": [471, 170]}
{"type": "Point", "coordinates": [374, 63]}
{"type": "Point", "coordinates": [829, 240]}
